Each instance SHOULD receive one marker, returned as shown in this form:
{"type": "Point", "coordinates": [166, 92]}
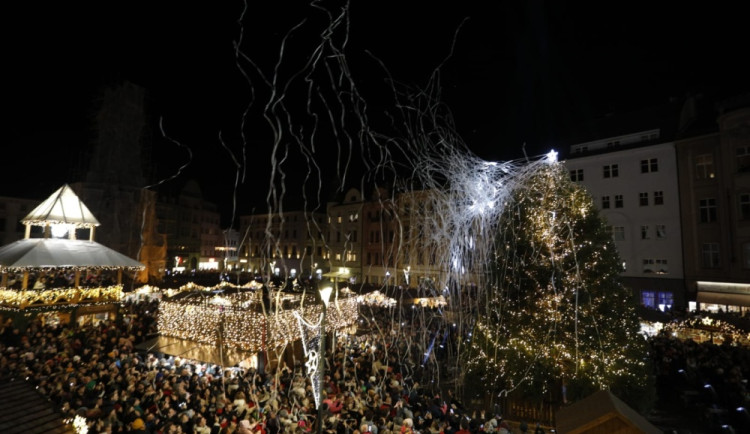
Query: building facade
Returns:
{"type": "Point", "coordinates": [344, 240]}
{"type": "Point", "coordinates": [714, 178]}
{"type": "Point", "coordinates": [289, 244]}
{"type": "Point", "coordinates": [633, 181]}
{"type": "Point", "coordinates": [193, 231]}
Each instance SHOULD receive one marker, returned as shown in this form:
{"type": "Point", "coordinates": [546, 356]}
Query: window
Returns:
{"type": "Point", "coordinates": [643, 199]}
{"type": "Point", "coordinates": [743, 158]}
{"type": "Point", "coordinates": [707, 210]}
{"type": "Point", "coordinates": [744, 203]}
{"type": "Point", "coordinates": [611, 171]}
{"type": "Point", "coordinates": [618, 201]}
{"type": "Point", "coordinates": [704, 166]}
{"type": "Point", "coordinates": [576, 175]}
{"type": "Point", "coordinates": [710, 253]}
{"type": "Point", "coordinates": [661, 231]}
{"type": "Point", "coordinates": [650, 165]}
{"type": "Point", "coordinates": [666, 299]}
{"type": "Point", "coordinates": [661, 299]}
{"type": "Point", "coordinates": [605, 202]}
{"type": "Point", "coordinates": [618, 233]}
{"type": "Point", "coordinates": [644, 232]}
{"type": "Point", "coordinates": [746, 256]}
{"type": "Point", "coordinates": [656, 266]}
{"type": "Point", "coordinates": [648, 299]}
{"type": "Point", "coordinates": [658, 198]}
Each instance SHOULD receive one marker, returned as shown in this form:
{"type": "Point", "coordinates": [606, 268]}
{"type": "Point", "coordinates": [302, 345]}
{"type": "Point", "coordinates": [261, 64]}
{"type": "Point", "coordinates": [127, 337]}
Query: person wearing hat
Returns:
{"type": "Point", "coordinates": [138, 426]}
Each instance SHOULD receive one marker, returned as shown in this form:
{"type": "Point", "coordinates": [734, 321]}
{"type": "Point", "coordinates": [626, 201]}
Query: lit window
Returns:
{"type": "Point", "coordinates": [648, 298]}
{"type": "Point", "coordinates": [704, 166]}
{"type": "Point", "coordinates": [666, 299]}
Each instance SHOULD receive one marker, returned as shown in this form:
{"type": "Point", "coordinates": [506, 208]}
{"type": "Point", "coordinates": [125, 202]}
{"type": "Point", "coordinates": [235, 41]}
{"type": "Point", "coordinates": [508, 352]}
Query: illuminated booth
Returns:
{"type": "Point", "coordinates": [56, 276]}
{"type": "Point", "coordinates": [234, 325]}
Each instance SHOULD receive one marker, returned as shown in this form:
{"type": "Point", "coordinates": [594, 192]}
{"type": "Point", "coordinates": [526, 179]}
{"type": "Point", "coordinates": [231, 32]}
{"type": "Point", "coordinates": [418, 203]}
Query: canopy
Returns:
{"type": "Point", "coordinates": [62, 207]}
{"type": "Point", "coordinates": [62, 253]}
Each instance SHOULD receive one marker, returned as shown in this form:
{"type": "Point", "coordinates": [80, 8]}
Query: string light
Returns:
{"type": "Point", "coordinates": [17, 299]}
{"type": "Point", "coordinates": [242, 322]}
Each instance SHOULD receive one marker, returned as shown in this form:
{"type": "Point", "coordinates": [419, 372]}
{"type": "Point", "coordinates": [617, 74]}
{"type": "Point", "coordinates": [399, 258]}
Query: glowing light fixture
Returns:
{"type": "Point", "coordinates": [60, 230]}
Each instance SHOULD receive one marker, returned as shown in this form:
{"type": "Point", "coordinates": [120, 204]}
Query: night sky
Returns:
{"type": "Point", "coordinates": [522, 72]}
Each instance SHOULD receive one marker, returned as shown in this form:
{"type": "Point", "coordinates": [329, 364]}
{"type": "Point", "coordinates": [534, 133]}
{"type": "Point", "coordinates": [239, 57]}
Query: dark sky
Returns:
{"type": "Point", "coordinates": [521, 71]}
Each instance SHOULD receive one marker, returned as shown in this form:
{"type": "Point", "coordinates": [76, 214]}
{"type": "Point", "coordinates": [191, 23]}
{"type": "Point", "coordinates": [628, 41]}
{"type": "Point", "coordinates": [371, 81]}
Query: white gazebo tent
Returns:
{"type": "Point", "coordinates": [59, 216]}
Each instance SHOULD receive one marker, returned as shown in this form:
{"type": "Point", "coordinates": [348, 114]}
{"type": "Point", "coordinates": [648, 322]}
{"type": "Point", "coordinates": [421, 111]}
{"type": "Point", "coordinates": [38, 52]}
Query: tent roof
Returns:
{"type": "Point", "coordinates": [602, 412]}
{"type": "Point", "coordinates": [62, 207]}
{"type": "Point", "coordinates": [62, 253]}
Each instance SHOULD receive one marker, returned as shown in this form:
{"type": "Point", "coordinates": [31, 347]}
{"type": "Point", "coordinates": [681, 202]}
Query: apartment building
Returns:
{"type": "Point", "coordinates": [714, 176]}
{"type": "Point", "coordinates": [344, 240]}
{"type": "Point", "coordinates": [289, 244]}
{"type": "Point", "coordinates": [633, 181]}
{"type": "Point", "coordinates": [192, 228]}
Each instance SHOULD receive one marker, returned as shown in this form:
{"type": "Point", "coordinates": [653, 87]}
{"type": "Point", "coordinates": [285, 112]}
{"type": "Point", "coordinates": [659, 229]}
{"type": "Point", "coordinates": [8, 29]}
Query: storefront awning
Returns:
{"type": "Point", "coordinates": [723, 298]}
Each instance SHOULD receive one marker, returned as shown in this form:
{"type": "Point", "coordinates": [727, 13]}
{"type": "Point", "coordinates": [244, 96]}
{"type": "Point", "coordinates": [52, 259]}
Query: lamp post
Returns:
{"type": "Point", "coordinates": [325, 296]}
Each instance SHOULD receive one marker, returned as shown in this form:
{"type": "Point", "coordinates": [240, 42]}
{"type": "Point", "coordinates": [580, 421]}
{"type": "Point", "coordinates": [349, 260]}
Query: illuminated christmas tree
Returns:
{"type": "Point", "coordinates": [558, 324]}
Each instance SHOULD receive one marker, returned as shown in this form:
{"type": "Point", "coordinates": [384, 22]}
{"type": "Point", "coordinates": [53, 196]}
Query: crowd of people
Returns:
{"type": "Point", "coordinates": [706, 379]}
{"type": "Point", "coordinates": [376, 382]}
{"type": "Point", "coordinates": [96, 372]}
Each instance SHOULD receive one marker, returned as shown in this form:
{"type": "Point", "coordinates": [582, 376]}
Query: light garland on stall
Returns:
{"type": "Point", "coordinates": [19, 299]}
{"type": "Point", "coordinates": [244, 328]}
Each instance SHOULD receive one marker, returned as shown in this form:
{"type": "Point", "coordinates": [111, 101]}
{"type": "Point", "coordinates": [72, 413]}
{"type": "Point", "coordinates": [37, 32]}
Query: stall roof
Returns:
{"type": "Point", "coordinates": [32, 253]}
{"type": "Point", "coordinates": [602, 412]}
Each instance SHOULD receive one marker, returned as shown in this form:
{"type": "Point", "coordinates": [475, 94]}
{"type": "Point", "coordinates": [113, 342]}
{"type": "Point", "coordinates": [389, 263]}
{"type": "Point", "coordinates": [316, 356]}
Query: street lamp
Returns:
{"type": "Point", "coordinates": [325, 296]}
